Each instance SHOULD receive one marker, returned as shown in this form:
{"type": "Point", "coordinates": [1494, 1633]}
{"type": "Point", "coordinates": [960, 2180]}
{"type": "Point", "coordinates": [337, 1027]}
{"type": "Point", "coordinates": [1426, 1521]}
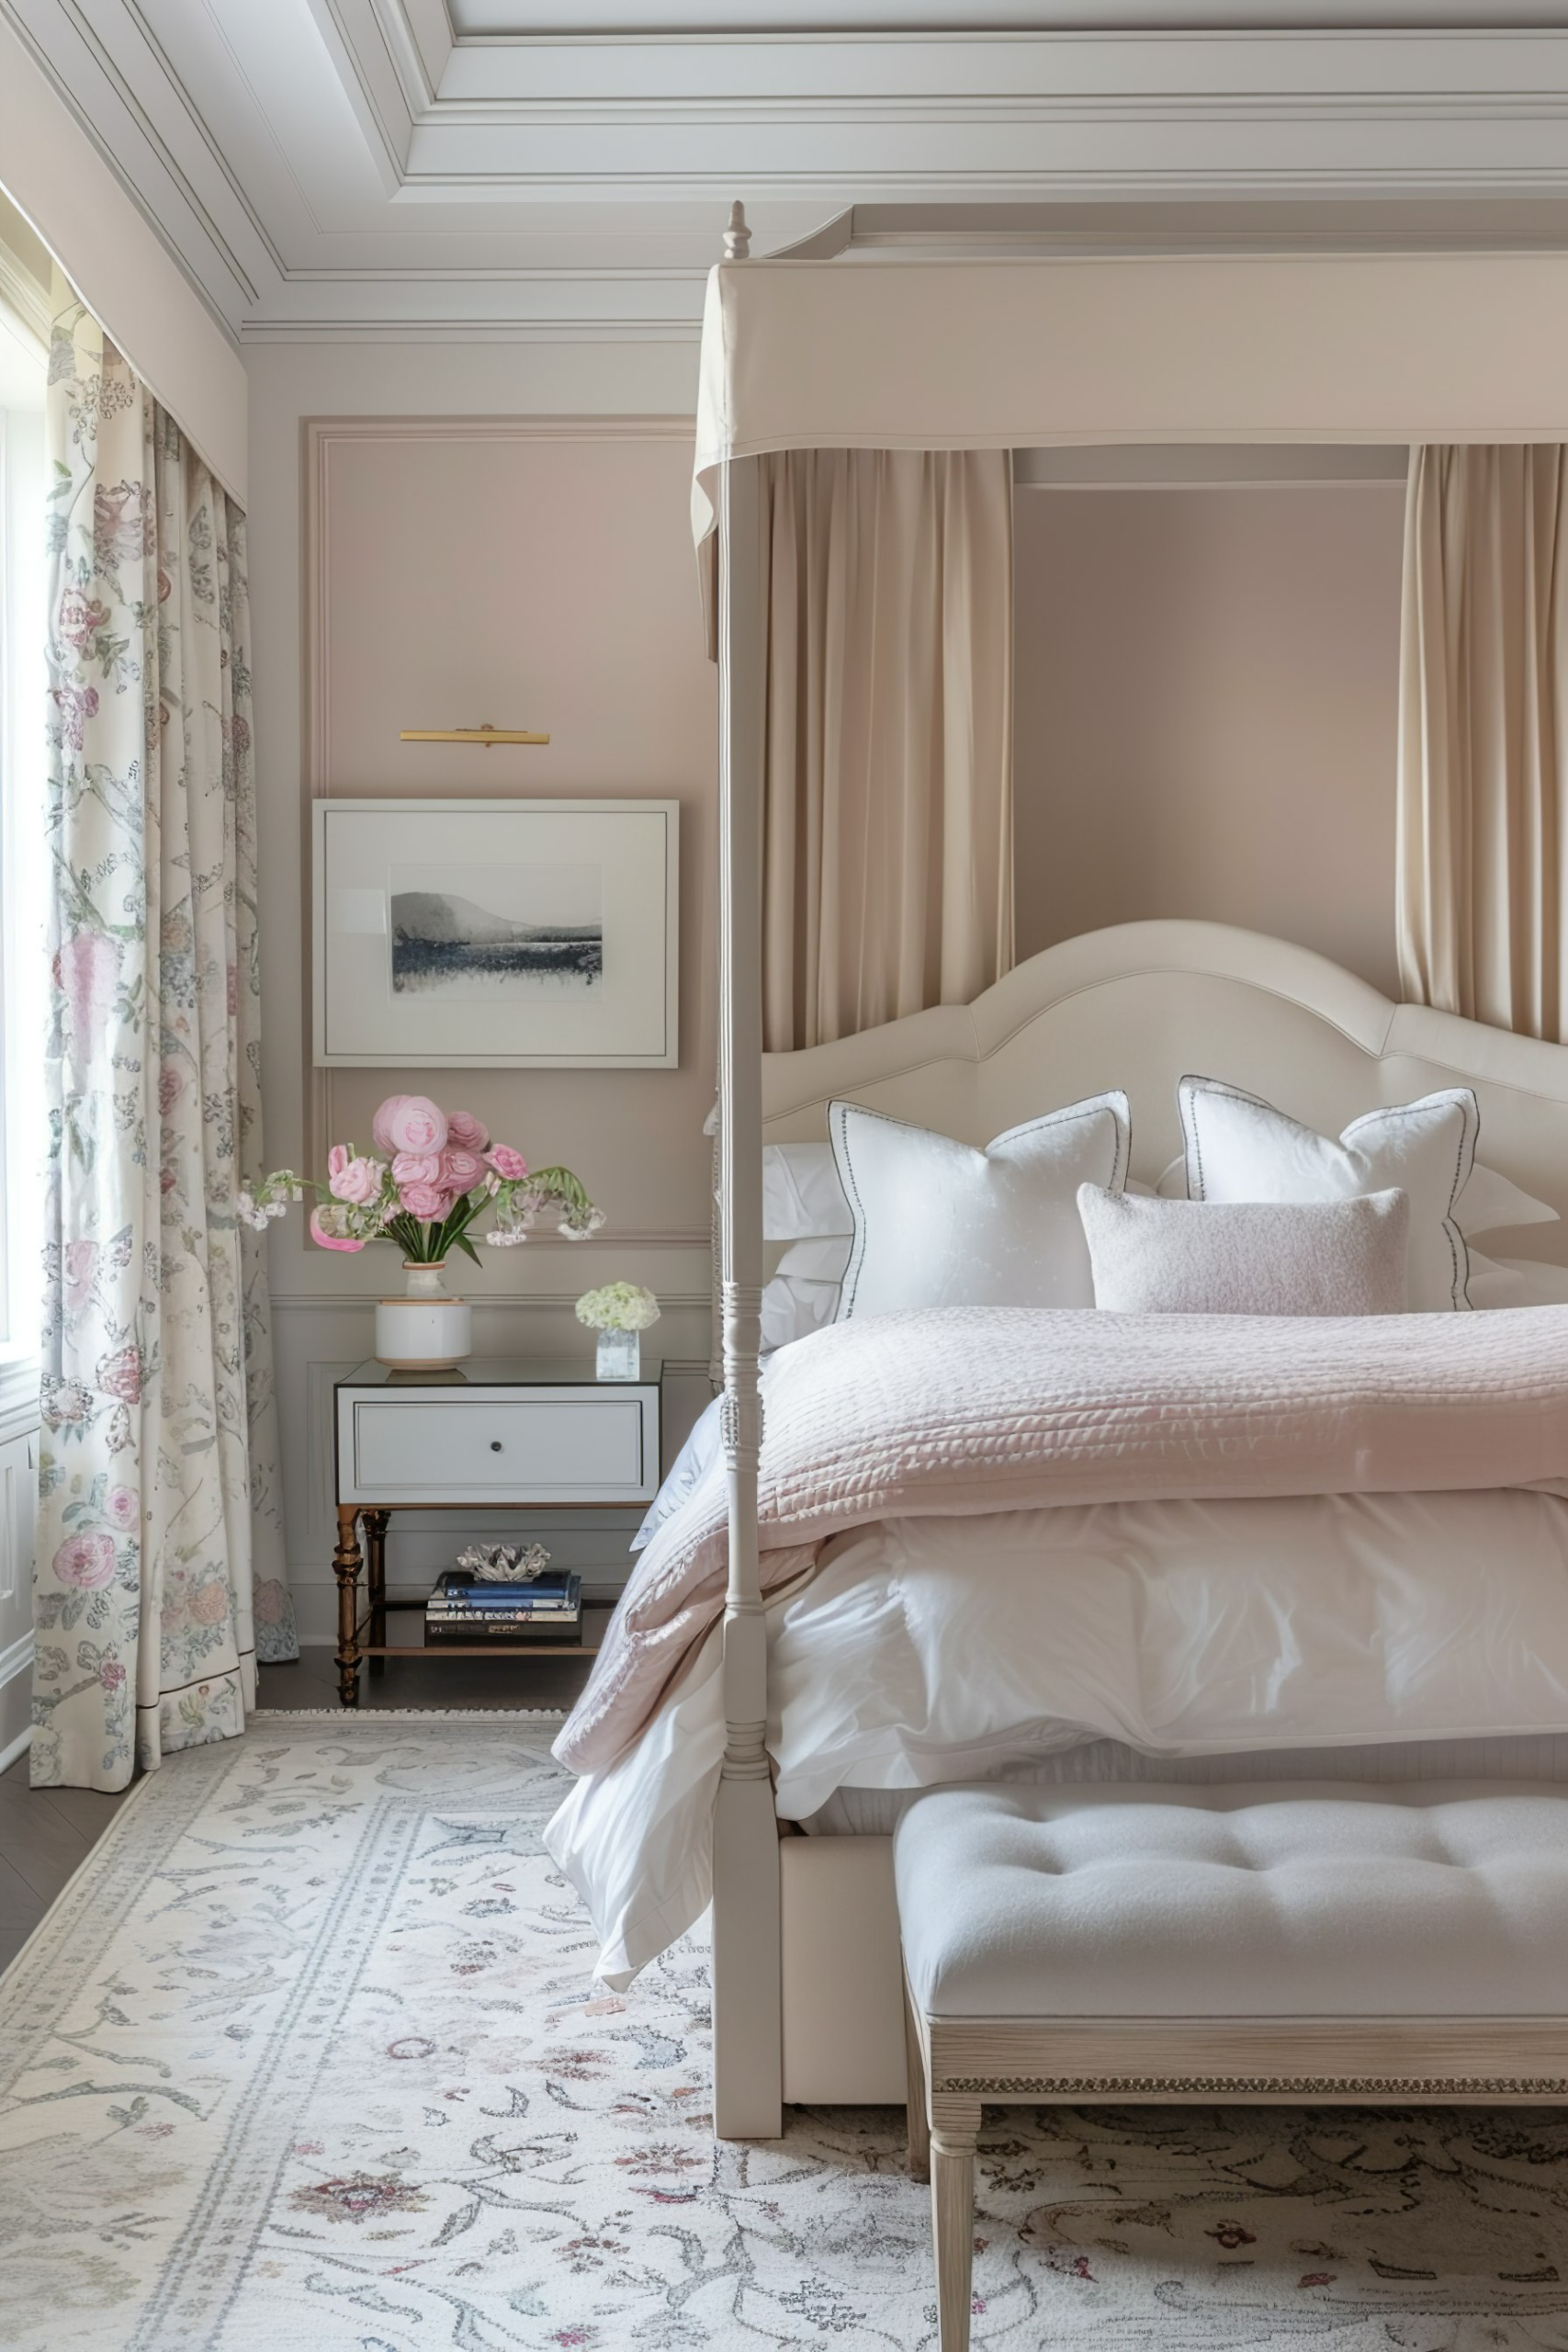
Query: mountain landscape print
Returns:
{"type": "Point", "coordinates": [447, 941]}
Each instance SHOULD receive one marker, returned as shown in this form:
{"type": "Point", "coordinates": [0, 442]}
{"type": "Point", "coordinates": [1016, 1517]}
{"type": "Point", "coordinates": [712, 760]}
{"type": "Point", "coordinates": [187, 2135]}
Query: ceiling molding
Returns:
{"type": "Point", "coordinates": [328, 170]}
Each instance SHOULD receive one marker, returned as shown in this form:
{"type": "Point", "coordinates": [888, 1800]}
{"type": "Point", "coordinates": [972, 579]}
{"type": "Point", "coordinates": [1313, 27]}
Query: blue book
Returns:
{"type": "Point", "coordinates": [558, 1589]}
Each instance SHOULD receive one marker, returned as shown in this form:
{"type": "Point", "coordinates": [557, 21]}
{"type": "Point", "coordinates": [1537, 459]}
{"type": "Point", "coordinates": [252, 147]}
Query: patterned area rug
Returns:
{"type": "Point", "coordinates": [308, 2055]}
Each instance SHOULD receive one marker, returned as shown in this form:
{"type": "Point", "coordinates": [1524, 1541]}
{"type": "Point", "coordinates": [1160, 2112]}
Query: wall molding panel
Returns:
{"type": "Point", "coordinates": [576, 608]}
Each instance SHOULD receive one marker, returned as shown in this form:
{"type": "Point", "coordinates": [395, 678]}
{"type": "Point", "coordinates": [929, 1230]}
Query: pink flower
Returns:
{"type": "Point", "coordinates": [410, 1123]}
{"type": "Point", "coordinates": [208, 1605]}
{"type": "Point", "coordinates": [427, 1201]}
{"type": "Point", "coordinates": [171, 1086]}
{"type": "Point", "coordinates": [120, 1375]}
{"type": "Point", "coordinates": [326, 1240]}
{"type": "Point", "coordinates": [112, 1674]}
{"type": "Point", "coordinates": [86, 1561]}
{"type": "Point", "coordinates": [417, 1168]}
{"type": "Point", "coordinates": [460, 1170]}
{"type": "Point", "coordinates": [464, 1130]}
{"type": "Point", "coordinates": [87, 970]}
{"type": "Point", "coordinates": [381, 1132]}
{"type": "Point", "coordinates": [81, 619]}
{"type": "Point", "coordinates": [350, 1179]}
{"type": "Point", "coordinates": [269, 1602]}
{"type": "Point", "coordinates": [81, 1265]}
{"type": "Point", "coordinates": [124, 1506]}
{"type": "Point", "coordinates": [120, 519]}
{"type": "Point", "coordinates": [77, 705]}
{"type": "Point", "coordinates": [507, 1162]}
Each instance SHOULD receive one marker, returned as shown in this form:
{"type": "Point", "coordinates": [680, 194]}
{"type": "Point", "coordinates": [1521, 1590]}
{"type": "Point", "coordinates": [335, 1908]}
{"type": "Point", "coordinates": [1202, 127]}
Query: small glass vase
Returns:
{"type": "Point", "coordinates": [619, 1355]}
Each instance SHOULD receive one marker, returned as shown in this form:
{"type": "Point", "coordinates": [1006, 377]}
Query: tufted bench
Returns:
{"type": "Point", "coordinates": [1322, 1940]}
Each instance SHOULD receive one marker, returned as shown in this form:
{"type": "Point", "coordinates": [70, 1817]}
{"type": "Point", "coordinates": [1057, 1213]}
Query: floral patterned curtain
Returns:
{"type": "Point", "coordinates": [160, 1553]}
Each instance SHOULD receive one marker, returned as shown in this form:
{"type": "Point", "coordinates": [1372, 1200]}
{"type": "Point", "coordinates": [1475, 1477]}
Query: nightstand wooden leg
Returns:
{"type": "Point", "coordinates": [346, 1568]}
{"type": "Point", "coordinates": [376, 1524]}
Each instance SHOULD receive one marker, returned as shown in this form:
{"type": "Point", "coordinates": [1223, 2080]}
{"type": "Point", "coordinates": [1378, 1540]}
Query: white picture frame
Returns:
{"type": "Point", "coordinates": [495, 934]}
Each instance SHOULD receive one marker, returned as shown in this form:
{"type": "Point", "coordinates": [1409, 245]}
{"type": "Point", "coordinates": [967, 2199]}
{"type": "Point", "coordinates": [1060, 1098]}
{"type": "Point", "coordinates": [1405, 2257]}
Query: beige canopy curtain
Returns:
{"type": "Point", "coordinates": [887, 827]}
{"type": "Point", "coordinates": [1483, 857]}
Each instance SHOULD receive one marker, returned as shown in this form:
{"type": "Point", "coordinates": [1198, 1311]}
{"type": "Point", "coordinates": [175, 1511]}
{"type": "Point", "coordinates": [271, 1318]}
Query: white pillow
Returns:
{"type": "Point", "coordinates": [1239, 1148]}
{"type": "Point", "coordinates": [701, 1449]}
{"type": "Point", "coordinates": [1489, 1202]}
{"type": "Point", "coordinates": [1492, 1201]}
{"type": "Point", "coordinates": [795, 1305]}
{"type": "Point", "coordinates": [1516, 1282]}
{"type": "Point", "coordinates": [1247, 1257]}
{"type": "Point", "coordinates": [802, 1198]}
{"type": "Point", "coordinates": [939, 1223]}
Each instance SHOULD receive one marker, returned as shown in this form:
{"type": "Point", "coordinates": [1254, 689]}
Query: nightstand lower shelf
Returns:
{"type": "Point", "coordinates": [593, 1634]}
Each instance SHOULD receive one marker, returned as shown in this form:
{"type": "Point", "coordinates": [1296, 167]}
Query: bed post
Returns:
{"type": "Point", "coordinates": [747, 2027]}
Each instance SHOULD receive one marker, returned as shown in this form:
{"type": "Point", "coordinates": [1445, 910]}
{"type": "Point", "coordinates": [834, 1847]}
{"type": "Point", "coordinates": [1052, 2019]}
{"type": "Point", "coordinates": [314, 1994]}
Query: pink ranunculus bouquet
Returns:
{"type": "Point", "coordinates": [429, 1176]}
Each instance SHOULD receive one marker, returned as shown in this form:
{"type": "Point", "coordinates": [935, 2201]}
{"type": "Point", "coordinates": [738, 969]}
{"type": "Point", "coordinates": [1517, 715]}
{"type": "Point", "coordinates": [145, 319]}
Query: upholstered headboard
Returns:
{"type": "Point", "coordinates": [1139, 1005]}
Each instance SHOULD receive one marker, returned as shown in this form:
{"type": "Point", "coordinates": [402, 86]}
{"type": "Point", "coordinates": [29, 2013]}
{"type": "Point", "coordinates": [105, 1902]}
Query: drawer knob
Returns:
{"type": "Point", "coordinates": [495, 1445]}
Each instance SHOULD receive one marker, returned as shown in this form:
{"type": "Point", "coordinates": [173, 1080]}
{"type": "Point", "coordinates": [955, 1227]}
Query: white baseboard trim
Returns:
{"type": "Point", "coordinates": [17, 1746]}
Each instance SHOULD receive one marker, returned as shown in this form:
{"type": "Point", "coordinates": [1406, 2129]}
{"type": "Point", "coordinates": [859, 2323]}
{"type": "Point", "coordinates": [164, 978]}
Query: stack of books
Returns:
{"type": "Point", "coordinates": [465, 1608]}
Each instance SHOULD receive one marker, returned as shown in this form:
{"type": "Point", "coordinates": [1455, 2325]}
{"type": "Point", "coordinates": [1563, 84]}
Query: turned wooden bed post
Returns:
{"type": "Point", "coordinates": [747, 2017]}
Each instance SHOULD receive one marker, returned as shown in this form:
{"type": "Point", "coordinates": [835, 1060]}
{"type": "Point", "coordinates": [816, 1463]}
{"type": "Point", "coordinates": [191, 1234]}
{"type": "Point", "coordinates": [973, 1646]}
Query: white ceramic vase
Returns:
{"type": "Point", "coordinates": [619, 1355]}
{"type": "Point", "coordinates": [425, 1331]}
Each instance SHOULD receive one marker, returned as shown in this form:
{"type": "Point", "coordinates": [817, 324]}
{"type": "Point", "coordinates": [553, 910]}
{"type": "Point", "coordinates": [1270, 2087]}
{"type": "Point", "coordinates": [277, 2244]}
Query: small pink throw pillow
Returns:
{"type": "Point", "coordinates": [1247, 1257]}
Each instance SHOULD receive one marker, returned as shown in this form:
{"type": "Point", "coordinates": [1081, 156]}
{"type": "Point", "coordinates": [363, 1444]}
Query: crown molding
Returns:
{"type": "Point", "coordinates": [351, 171]}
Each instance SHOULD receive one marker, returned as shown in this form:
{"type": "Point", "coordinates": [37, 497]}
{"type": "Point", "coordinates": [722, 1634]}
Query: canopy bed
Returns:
{"type": "Point", "coordinates": [989, 351]}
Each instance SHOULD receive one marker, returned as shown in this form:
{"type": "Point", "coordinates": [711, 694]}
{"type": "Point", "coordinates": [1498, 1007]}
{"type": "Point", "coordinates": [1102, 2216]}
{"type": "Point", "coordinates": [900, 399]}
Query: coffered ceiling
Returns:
{"type": "Point", "coordinates": [562, 168]}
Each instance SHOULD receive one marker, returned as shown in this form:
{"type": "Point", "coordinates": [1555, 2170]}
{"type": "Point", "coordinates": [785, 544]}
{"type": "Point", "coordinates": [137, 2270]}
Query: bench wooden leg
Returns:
{"type": "Point", "coordinates": [955, 2127]}
{"type": "Point", "coordinates": [914, 2096]}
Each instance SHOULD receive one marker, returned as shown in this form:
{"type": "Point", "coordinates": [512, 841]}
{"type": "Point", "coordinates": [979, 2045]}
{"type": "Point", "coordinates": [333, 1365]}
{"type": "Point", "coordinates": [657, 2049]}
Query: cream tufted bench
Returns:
{"type": "Point", "coordinates": [1328, 1941]}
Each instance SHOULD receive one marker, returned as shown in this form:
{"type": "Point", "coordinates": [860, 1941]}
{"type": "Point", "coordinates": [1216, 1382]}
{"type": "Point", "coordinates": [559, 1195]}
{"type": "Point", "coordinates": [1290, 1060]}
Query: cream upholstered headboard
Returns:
{"type": "Point", "coordinates": [1139, 1005]}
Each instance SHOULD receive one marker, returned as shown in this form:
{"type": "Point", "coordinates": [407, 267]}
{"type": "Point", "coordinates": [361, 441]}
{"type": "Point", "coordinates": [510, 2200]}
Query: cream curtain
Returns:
{"type": "Point", "coordinates": [887, 829]}
{"type": "Point", "coordinates": [160, 1576]}
{"type": "Point", "coordinates": [1482, 858]}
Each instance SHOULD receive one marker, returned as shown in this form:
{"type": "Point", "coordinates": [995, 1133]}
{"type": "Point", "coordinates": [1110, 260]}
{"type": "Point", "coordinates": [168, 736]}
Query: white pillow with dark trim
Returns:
{"type": "Point", "coordinates": [1240, 1148]}
{"type": "Point", "coordinates": [1490, 1203]}
{"type": "Point", "coordinates": [940, 1224]}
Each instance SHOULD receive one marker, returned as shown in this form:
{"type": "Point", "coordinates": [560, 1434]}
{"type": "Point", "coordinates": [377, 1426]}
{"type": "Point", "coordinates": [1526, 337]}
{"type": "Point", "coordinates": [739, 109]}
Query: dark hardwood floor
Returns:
{"type": "Point", "coordinates": [46, 1833]}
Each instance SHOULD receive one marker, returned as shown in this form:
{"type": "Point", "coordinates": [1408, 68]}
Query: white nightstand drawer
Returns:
{"type": "Point", "coordinates": [554, 1445]}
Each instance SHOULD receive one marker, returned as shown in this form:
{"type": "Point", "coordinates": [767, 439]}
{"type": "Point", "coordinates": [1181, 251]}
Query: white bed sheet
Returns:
{"type": "Point", "coordinates": [935, 1650]}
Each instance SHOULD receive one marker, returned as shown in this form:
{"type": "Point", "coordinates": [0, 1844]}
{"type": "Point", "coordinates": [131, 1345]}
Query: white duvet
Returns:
{"type": "Point", "coordinates": [928, 1650]}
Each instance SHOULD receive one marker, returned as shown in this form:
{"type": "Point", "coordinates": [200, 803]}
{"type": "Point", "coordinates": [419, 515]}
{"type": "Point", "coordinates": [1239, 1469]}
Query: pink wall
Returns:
{"type": "Point", "coordinates": [1206, 713]}
{"type": "Point", "coordinates": [532, 575]}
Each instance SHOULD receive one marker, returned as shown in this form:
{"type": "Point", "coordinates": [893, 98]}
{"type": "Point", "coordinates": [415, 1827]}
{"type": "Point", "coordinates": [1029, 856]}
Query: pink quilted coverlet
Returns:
{"type": "Point", "coordinates": [974, 1409]}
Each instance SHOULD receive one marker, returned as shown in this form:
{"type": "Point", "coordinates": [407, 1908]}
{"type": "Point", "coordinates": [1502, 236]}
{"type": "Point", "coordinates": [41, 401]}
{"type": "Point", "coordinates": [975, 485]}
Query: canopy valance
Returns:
{"type": "Point", "coordinates": [876, 352]}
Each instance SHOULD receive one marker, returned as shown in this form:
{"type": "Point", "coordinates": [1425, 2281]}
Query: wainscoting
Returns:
{"type": "Point", "coordinates": [18, 1513]}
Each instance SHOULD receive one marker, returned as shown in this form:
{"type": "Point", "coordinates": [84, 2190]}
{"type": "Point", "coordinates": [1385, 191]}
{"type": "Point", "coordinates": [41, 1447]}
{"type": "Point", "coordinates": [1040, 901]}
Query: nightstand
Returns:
{"type": "Point", "coordinates": [492, 1434]}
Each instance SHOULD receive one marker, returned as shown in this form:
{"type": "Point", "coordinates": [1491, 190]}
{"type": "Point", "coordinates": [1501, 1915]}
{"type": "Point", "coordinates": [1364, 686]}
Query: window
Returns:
{"type": "Point", "coordinates": [23, 1002]}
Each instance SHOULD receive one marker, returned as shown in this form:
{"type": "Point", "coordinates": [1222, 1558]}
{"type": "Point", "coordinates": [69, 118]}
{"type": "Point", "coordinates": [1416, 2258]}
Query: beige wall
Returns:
{"type": "Point", "coordinates": [1205, 727]}
{"type": "Point", "coordinates": [496, 566]}
{"type": "Point", "coordinates": [1206, 713]}
{"type": "Point", "coordinates": [537, 575]}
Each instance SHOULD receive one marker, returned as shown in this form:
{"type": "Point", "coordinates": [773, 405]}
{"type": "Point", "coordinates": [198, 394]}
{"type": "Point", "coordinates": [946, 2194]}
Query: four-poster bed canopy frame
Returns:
{"type": "Point", "coordinates": [1009, 349]}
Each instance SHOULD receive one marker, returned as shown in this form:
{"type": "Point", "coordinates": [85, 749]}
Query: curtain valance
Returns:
{"type": "Point", "coordinates": [855, 353]}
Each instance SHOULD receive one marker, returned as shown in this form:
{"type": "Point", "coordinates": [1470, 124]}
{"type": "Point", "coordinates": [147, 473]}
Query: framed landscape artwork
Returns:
{"type": "Point", "coordinates": [475, 935]}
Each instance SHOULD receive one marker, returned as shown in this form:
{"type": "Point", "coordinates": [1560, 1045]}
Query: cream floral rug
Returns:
{"type": "Point", "coordinates": [308, 2056]}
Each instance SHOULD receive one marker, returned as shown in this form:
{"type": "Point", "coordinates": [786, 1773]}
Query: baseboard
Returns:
{"type": "Point", "coordinates": [16, 1699]}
